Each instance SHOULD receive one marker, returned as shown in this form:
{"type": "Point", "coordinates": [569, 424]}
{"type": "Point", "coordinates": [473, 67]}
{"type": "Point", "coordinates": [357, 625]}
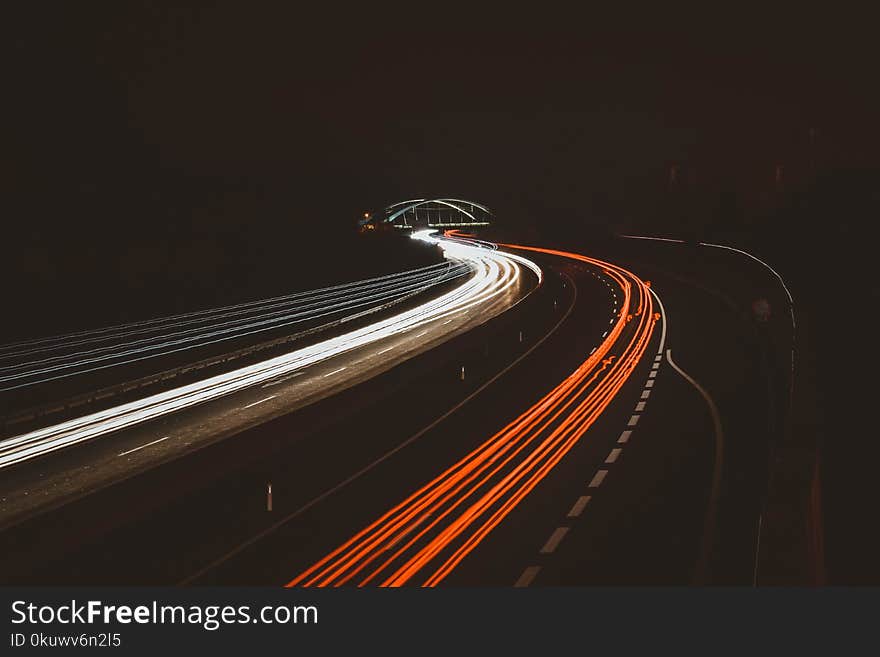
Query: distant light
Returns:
{"type": "Point", "coordinates": [366, 215]}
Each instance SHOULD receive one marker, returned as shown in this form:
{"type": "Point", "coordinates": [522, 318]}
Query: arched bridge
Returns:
{"type": "Point", "coordinates": [436, 213]}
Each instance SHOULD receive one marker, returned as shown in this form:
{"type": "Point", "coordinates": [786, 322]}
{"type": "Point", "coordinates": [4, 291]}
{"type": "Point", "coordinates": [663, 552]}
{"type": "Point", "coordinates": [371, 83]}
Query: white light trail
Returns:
{"type": "Point", "coordinates": [370, 297]}
{"type": "Point", "coordinates": [495, 272]}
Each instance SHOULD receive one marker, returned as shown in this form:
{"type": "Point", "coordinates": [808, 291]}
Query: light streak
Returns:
{"type": "Point", "coordinates": [423, 539]}
{"type": "Point", "coordinates": [364, 299]}
{"type": "Point", "coordinates": [494, 273]}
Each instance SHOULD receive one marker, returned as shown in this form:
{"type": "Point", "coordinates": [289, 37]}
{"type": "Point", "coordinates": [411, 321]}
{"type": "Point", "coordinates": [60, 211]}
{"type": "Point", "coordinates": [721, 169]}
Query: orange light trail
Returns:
{"type": "Point", "coordinates": [423, 539]}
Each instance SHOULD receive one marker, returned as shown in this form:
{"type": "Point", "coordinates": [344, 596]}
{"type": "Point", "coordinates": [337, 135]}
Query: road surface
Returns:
{"type": "Point", "coordinates": [99, 448]}
{"type": "Point", "coordinates": [607, 431]}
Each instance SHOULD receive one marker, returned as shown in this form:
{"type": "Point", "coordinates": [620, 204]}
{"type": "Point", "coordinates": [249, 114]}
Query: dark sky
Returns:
{"type": "Point", "coordinates": [135, 108]}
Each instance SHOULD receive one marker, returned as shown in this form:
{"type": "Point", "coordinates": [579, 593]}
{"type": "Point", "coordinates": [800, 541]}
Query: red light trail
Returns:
{"type": "Point", "coordinates": [421, 540]}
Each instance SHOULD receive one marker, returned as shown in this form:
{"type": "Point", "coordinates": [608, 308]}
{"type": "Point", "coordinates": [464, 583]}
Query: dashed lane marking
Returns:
{"type": "Point", "coordinates": [613, 455]}
{"type": "Point", "coordinates": [259, 402]}
{"type": "Point", "coordinates": [579, 506]}
{"type": "Point", "coordinates": [554, 540]}
{"type": "Point", "coordinates": [528, 576]}
{"type": "Point", "coordinates": [147, 445]}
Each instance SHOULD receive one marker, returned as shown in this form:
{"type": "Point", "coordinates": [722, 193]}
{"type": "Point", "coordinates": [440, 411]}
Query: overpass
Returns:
{"type": "Point", "coordinates": [434, 213]}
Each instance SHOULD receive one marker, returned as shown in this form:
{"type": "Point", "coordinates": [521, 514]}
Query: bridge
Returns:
{"type": "Point", "coordinates": [433, 213]}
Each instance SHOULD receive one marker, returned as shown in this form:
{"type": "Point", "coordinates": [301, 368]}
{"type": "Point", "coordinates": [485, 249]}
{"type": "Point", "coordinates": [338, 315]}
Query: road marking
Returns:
{"type": "Point", "coordinates": [405, 532]}
{"type": "Point", "coordinates": [612, 321]}
{"type": "Point", "coordinates": [653, 373]}
{"type": "Point", "coordinates": [649, 383]}
{"type": "Point", "coordinates": [604, 334]}
{"type": "Point", "coordinates": [554, 540]}
{"type": "Point", "coordinates": [420, 334]}
{"type": "Point", "coordinates": [655, 366]}
{"type": "Point", "coordinates": [656, 239]}
{"type": "Point", "coordinates": [709, 521]}
{"type": "Point", "coordinates": [646, 393]}
{"type": "Point", "coordinates": [333, 372]}
{"type": "Point", "coordinates": [446, 322]}
{"type": "Point", "coordinates": [384, 350]}
{"type": "Point", "coordinates": [147, 445]}
{"type": "Point", "coordinates": [259, 402]}
{"type": "Point", "coordinates": [624, 437]}
{"type": "Point", "coordinates": [528, 576]}
{"type": "Point", "coordinates": [579, 506]}
{"type": "Point", "coordinates": [592, 350]}
{"type": "Point", "coordinates": [640, 406]}
{"type": "Point", "coordinates": [663, 331]}
{"type": "Point", "coordinates": [598, 478]}
{"type": "Point", "coordinates": [367, 468]}
{"type": "Point", "coordinates": [633, 421]}
{"type": "Point", "coordinates": [658, 357]}
{"type": "Point", "coordinates": [613, 455]}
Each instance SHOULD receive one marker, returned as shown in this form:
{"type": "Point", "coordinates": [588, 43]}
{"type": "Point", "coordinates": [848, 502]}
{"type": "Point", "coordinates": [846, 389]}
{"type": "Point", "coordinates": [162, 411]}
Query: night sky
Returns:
{"type": "Point", "coordinates": [129, 108]}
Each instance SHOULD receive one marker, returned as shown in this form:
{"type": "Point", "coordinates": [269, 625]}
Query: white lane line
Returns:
{"type": "Point", "coordinates": [147, 445]}
{"type": "Point", "coordinates": [655, 366]}
{"type": "Point", "coordinates": [658, 357]}
{"type": "Point", "coordinates": [579, 506]}
{"type": "Point", "coordinates": [420, 334]}
{"type": "Point", "coordinates": [653, 373]}
{"type": "Point", "coordinates": [604, 334]}
{"type": "Point", "coordinates": [598, 478]}
{"type": "Point", "coordinates": [633, 421]}
{"type": "Point", "coordinates": [640, 406]}
{"type": "Point", "coordinates": [790, 307]}
{"type": "Point", "coordinates": [282, 380]}
{"type": "Point", "coordinates": [624, 437]}
{"type": "Point", "coordinates": [649, 383]}
{"type": "Point", "coordinates": [259, 402]}
{"type": "Point", "coordinates": [646, 393]}
{"type": "Point", "coordinates": [528, 576]}
{"type": "Point", "coordinates": [612, 321]}
{"type": "Point", "coordinates": [405, 532]}
{"type": "Point", "coordinates": [613, 455]}
{"type": "Point", "coordinates": [592, 350]}
{"type": "Point", "coordinates": [446, 322]}
{"type": "Point", "coordinates": [663, 330]}
{"type": "Point", "coordinates": [554, 540]}
{"type": "Point", "coordinates": [709, 522]}
{"type": "Point", "coordinates": [367, 468]}
{"type": "Point", "coordinates": [656, 239]}
{"type": "Point", "coordinates": [384, 350]}
{"type": "Point", "coordinates": [334, 372]}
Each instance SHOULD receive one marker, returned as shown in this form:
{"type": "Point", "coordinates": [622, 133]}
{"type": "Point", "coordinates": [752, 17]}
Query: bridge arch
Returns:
{"type": "Point", "coordinates": [437, 213]}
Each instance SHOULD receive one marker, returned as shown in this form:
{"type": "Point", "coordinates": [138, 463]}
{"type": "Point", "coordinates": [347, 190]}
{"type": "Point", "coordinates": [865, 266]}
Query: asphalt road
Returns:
{"type": "Point", "coordinates": [664, 499]}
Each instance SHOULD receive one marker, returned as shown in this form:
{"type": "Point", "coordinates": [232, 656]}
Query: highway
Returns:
{"type": "Point", "coordinates": [38, 362]}
{"type": "Point", "coordinates": [427, 535]}
{"type": "Point", "coordinates": [484, 283]}
{"type": "Point", "coordinates": [611, 427]}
